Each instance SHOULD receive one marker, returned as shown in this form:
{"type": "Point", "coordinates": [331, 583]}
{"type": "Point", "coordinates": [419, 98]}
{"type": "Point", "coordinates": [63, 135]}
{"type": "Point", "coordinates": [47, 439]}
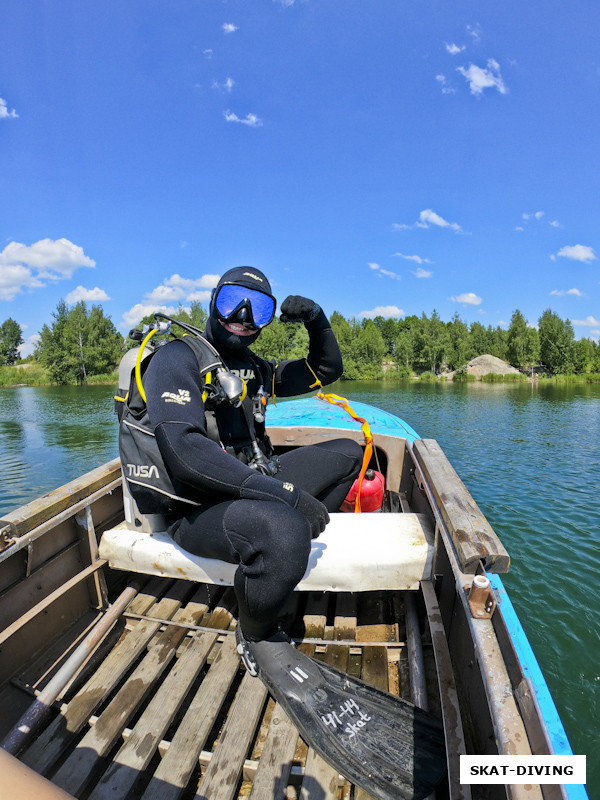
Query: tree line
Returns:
{"type": "Point", "coordinates": [82, 342]}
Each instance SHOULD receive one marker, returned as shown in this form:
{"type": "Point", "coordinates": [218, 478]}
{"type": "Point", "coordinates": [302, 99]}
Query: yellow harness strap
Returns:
{"type": "Point", "coordinates": [336, 400]}
{"type": "Point", "coordinates": [138, 364]}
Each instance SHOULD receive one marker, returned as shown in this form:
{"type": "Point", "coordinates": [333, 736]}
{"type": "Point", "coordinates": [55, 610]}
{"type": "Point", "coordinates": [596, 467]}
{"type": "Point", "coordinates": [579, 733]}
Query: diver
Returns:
{"type": "Point", "coordinates": [225, 493]}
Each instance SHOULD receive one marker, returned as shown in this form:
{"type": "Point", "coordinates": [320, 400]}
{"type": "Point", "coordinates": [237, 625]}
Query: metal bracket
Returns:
{"type": "Point", "coordinates": [8, 534]}
{"type": "Point", "coordinates": [481, 598]}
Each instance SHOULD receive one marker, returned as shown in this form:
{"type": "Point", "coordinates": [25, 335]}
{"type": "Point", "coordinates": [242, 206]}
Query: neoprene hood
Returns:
{"type": "Point", "coordinates": [216, 333]}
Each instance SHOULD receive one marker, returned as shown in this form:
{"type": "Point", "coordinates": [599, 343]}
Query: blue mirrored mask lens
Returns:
{"type": "Point", "coordinates": [230, 297]}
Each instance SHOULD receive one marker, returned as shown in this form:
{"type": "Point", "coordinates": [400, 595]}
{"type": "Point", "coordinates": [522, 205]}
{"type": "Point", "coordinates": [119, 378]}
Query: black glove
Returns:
{"type": "Point", "coordinates": [314, 511]}
{"type": "Point", "coordinates": [298, 309]}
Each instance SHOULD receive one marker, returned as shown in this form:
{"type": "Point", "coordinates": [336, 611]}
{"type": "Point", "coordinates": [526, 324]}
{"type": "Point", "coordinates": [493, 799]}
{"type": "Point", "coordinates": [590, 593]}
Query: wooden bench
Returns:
{"type": "Point", "coordinates": [356, 553]}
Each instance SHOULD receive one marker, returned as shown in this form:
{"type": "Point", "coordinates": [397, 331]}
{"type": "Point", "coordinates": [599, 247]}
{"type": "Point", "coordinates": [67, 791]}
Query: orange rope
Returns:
{"type": "Point", "coordinates": [336, 400]}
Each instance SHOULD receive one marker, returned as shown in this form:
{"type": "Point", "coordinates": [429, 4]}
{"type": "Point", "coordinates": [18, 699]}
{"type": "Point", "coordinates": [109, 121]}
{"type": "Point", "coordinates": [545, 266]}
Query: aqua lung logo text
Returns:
{"type": "Point", "coordinates": [244, 374]}
{"type": "Point", "coordinates": [182, 397]}
{"type": "Point", "coordinates": [142, 471]}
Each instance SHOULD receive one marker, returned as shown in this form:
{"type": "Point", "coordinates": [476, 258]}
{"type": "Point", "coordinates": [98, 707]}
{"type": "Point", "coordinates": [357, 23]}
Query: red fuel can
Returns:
{"type": "Point", "coordinates": [371, 493]}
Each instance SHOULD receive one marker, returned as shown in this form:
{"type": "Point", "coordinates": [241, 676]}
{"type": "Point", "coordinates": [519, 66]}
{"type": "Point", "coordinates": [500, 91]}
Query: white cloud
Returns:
{"type": "Point", "coordinates": [29, 345]}
{"type": "Point", "coordinates": [468, 299]}
{"type": "Point", "coordinates": [389, 274]}
{"type": "Point", "coordinates": [480, 78]}
{"type": "Point", "coordinates": [539, 216]}
{"type": "Point", "coordinates": [140, 310]}
{"type": "Point", "coordinates": [4, 112]}
{"type": "Point", "coordinates": [587, 322]}
{"type": "Point", "coordinates": [200, 297]}
{"type": "Point", "coordinates": [417, 259]}
{"type": "Point", "coordinates": [206, 281]}
{"type": "Point", "coordinates": [250, 119]}
{"type": "Point", "coordinates": [474, 31]}
{"type": "Point", "coordinates": [422, 273]}
{"type": "Point", "coordinates": [164, 294]}
{"type": "Point", "coordinates": [88, 295]}
{"type": "Point", "coordinates": [14, 278]}
{"type": "Point", "coordinates": [208, 53]}
{"type": "Point", "coordinates": [60, 256]}
{"type": "Point", "coordinates": [577, 252]}
{"type": "Point", "coordinates": [446, 88]}
{"type": "Point", "coordinates": [386, 272]}
{"type": "Point", "coordinates": [174, 289]}
{"type": "Point", "coordinates": [563, 292]}
{"type": "Point", "coordinates": [226, 86]}
{"type": "Point", "coordinates": [454, 49]}
{"type": "Point", "coordinates": [429, 217]}
{"type": "Point", "coordinates": [28, 267]}
{"type": "Point", "coordinates": [382, 311]}
{"type": "Point", "coordinates": [229, 27]}
{"type": "Point", "coordinates": [177, 288]}
{"type": "Point", "coordinates": [285, 3]}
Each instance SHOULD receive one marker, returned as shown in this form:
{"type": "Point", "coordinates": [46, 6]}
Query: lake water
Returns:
{"type": "Point", "coordinates": [530, 456]}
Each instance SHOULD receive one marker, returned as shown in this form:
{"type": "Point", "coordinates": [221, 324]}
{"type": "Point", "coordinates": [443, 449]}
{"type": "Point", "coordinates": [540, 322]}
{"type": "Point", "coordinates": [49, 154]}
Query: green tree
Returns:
{"type": "Point", "coordinates": [388, 328]}
{"type": "Point", "coordinates": [556, 342]}
{"type": "Point", "coordinates": [79, 343]}
{"type": "Point", "coordinates": [404, 348]}
{"type": "Point", "coordinates": [369, 349]}
{"type": "Point", "coordinates": [479, 339]}
{"type": "Point", "coordinates": [583, 355]}
{"type": "Point", "coordinates": [10, 338]}
{"type": "Point", "coordinates": [342, 330]}
{"type": "Point", "coordinates": [196, 315]}
{"type": "Point", "coordinates": [497, 346]}
{"type": "Point", "coordinates": [433, 342]}
{"type": "Point", "coordinates": [522, 342]}
{"type": "Point", "coordinates": [460, 351]}
{"type": "Point", "coordinates": [275, 341]}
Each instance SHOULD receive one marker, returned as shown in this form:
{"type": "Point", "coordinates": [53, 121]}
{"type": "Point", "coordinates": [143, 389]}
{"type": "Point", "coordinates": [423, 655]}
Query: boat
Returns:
{"type": "Point", "coordinates": [119, 676]}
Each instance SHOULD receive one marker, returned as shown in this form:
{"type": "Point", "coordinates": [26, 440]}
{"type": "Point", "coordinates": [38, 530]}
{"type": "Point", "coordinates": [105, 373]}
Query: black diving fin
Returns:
{"type": "Point", "coordinates": [382, 743]}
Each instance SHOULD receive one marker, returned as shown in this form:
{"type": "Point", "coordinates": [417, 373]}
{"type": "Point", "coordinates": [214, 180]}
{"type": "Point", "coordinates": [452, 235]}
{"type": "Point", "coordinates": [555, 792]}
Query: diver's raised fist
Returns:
{"type": "Point", "coordinates": [298, 309]}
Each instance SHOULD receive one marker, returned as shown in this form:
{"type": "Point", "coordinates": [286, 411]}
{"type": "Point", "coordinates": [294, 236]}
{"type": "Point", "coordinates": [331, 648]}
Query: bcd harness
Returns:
{"type": "Point", "coordinates": [143, 466]}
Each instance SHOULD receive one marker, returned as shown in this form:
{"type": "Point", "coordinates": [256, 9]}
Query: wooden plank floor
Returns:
{"type": "Point", "coordinates": [170, 713]}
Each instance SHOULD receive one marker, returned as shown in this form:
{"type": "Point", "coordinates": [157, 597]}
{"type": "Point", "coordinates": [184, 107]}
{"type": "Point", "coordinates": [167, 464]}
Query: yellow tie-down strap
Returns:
{"type": "Point", "coordinates": [336, 400]}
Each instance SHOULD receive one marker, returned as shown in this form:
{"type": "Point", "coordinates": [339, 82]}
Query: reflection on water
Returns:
{"type": "Point", "coordinates": [50, 435]}
{"type": "Point", "coordinates": [530, 456]}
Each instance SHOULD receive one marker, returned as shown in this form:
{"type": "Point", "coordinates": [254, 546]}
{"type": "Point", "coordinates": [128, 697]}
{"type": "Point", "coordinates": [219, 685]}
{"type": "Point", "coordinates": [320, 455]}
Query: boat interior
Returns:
{"type": "Point", "coordinates": [155, 704]}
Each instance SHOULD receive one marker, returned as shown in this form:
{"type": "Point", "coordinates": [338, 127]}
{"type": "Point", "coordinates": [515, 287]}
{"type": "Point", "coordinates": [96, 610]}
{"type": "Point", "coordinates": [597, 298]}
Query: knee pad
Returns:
{"type": "Point", "coordinates": [273, 545]}
{"type": "Point", "coordinates": [269, 537]}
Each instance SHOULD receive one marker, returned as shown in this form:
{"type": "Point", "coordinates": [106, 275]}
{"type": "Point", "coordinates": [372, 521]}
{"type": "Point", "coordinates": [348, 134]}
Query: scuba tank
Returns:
{"type": "Point", "coordinates": [371, 493]}
{"type": "Point", "coordinates": [126, 367]}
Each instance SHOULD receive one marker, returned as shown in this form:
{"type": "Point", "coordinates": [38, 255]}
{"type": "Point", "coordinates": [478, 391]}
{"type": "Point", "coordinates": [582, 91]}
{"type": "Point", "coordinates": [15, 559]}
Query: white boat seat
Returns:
{"type": "Point", "coordinates": [356, 553]}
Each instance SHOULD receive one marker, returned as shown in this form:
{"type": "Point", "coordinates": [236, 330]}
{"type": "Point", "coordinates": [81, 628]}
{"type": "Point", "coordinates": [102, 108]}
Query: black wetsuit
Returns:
{"type": "Point", "coordinates": [247, 517]}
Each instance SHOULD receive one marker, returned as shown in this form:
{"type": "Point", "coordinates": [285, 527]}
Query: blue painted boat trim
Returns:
{"type": "Point", "coordinates": [531, 669]}
{"type": "Point", "coordinates": [312, 412]}
{"type": "Point", "coordinates": [315, 413]}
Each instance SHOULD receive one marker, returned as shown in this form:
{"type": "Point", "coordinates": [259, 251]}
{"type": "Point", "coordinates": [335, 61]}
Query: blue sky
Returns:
{"type": "Point", "coordinates": [379, 156]}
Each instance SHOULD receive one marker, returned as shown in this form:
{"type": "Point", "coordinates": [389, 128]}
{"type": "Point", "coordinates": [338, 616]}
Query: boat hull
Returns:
{"type": "Point", "coordinates": [164, 686]}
